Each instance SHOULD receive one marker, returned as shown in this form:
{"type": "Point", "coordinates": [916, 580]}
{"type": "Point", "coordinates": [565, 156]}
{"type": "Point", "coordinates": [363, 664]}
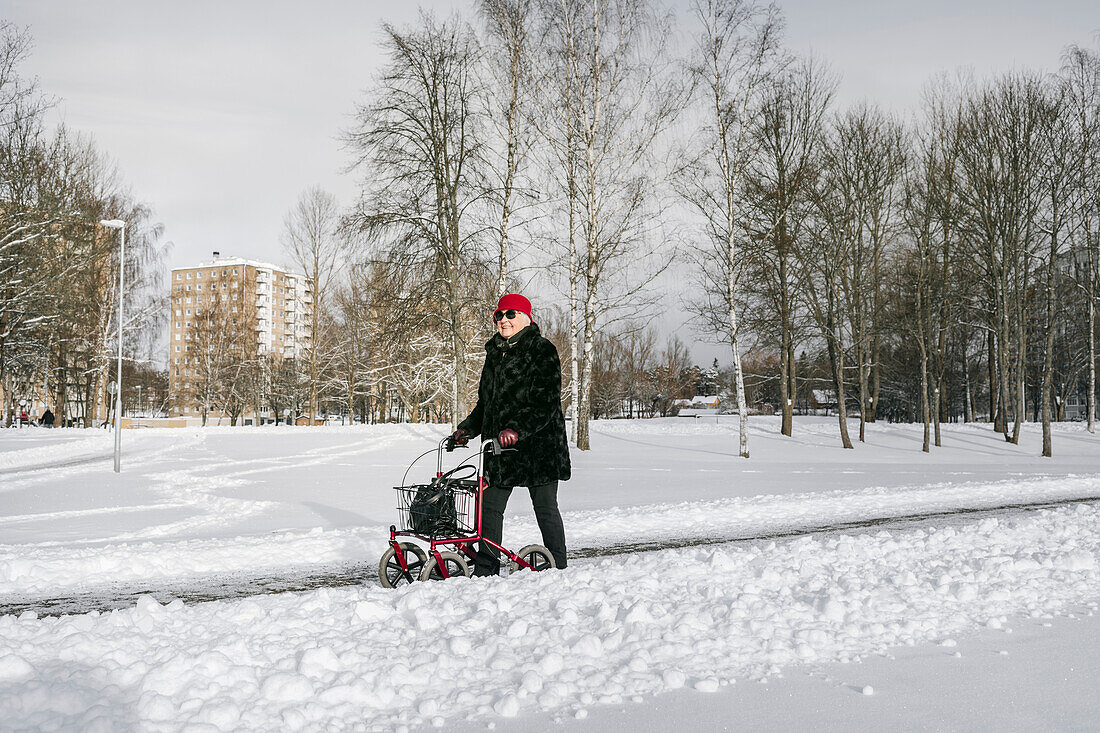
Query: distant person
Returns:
{"type": "Point", "coordinates": [23, 418]}
{"type": "Point", "coordinates": [47, 418]}
{"type": "Point", "coordinates": [519, 404]}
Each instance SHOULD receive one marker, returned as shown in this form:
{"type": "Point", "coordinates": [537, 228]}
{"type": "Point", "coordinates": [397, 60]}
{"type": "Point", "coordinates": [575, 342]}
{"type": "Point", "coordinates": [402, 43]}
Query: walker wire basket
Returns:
{"type": "Point", "coordinates": [444, 508]}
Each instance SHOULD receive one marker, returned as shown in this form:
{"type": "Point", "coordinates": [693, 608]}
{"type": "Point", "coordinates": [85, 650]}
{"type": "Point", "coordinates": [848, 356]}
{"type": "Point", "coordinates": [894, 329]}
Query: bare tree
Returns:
{"type": "Point", "coordinates": [416, 142]}
{"type": "Point", "coordinates": [823, 257]}
{"type": "Point", "coordinates": [609, 61]}
{"type": "Point", "coordinates": [1056, 183]}
{"type": "Point", "coordinates": [790, 130]}
{"type": "Point", "coordinates": [221, 351]}
{"type": "Point", "coordinates": [1081, 75]}
{"type": "Point", "coordinates": [311, 236]}
{"type": "Point", "coordinates": [737, 50]}
{"type": "Point", "coordinates": [926, 176]}
{"type": "Point", "coordinates": [1000, 160]}
{"type": "Point", "coordinates": [940, 160]}
{"type": "Point", "coordinates": [867, 172]}
{"type": "Point", "coordinates": [508, 66]}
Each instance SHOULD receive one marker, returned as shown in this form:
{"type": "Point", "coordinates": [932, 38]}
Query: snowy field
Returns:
{"type": "Point", "coordinates": [973, 613]}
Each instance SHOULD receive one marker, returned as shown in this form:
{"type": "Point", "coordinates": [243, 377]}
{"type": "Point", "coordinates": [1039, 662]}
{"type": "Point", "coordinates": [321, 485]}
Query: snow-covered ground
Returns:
{"type": "Point", "coordinates": [964, 621]}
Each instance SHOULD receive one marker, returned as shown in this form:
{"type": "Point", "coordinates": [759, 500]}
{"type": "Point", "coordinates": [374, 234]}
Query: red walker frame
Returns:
{"type": "Point", "coordinates": [463, 543]}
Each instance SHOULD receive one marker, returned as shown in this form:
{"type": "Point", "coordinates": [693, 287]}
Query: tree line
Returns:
{"type": "Point", "coordinates": [934, 268]}
{"type": "Point", "coordinates": [59, 266]}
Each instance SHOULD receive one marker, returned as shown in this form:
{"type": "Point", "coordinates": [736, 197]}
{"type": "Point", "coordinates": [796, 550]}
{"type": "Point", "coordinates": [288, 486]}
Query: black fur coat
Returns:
{"type": "Point", "coordinates": [520, 389]}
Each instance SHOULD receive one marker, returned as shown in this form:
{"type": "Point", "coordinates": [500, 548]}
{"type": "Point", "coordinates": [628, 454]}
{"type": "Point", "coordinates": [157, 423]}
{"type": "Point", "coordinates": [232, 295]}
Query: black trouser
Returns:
{"type": "Point", "coordinates": [545, 500]}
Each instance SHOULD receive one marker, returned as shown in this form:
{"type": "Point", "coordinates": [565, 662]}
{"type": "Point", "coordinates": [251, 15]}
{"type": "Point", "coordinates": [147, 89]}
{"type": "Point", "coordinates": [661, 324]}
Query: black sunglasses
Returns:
{"type": "Point", "coordinates": [509, 314]}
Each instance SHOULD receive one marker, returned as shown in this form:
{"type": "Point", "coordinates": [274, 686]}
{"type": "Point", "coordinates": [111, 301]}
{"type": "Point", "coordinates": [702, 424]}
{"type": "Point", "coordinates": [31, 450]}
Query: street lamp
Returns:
{"type": "Point", "coordinates": [121, 227]}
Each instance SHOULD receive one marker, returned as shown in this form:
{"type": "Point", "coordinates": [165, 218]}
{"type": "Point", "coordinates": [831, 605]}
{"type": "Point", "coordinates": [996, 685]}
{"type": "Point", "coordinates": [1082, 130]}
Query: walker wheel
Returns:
{"type": "Point", "coordinates": [452, 561]}
{"type": "Point", "coordinates": [389, 567]}
{"type": "Point", "coordinates": [537, 556]}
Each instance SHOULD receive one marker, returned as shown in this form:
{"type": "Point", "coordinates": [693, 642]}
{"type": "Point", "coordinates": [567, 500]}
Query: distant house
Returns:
{"type": "Point", "coordinates": [698, 406]}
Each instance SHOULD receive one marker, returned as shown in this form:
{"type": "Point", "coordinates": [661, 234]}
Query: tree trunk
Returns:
{"type": "Point", "coordinates": [574, 310]}
{"type": "Point", "coordinates": [994, 393]}
{"type": "Point", "coordinates": [742, 407]}
{"type": "Point", "coordinates": [968, 409]}
{"type": "Point", "coordinates": [924, 411]}
{"type": "Point", "coordinates": [1090, 398]}
{"type": "Point", "coordinates": [1021, 382]}
{"type": "Point", "coordinates": [937, 397]}
{"type": "Point", "coordinates": [836, 357]}
{"type": "Point", "coordinates": [785, 396]}
{"type": "Point", "coordinates": [787, 340]}
{"type": "Point", "coordinates": [588, 343]}
{"type": "Point", "coordinates": [1048, 363]}
{"type": "Point", "coordinates": [864, 399]}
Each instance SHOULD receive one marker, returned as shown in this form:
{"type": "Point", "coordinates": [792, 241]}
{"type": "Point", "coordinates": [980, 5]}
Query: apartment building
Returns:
{"type": "Point", "coordinates": [268, 307]}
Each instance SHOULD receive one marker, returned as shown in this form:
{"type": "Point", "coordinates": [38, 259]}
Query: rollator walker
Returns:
{"type": "Point", "coordinates": [445, 515]}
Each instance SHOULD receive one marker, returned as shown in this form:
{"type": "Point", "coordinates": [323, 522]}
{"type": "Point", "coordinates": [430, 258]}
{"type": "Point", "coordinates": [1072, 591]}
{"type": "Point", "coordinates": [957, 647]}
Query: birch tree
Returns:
{"type": "Point", "coordinates": [508, 98]}
{"type": "Point", "coordinates": [610, 60]}
{"type": "Point", "coordinates": [736, 51]}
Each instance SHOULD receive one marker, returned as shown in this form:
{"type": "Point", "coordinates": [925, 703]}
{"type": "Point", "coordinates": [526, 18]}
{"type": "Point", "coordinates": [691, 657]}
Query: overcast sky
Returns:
{"type": "Point", "coordinates": [220, 112]}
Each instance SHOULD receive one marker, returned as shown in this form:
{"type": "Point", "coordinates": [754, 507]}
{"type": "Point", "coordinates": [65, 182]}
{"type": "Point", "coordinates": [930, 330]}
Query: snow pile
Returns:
{"type": "Point", "coordinates": [35, 447]}
{"type": "Point", "coordinates": [52, 568]}
{"type": "Point", "coordinates": [607, 631]}
{"type": "Point", "coordinates": [26, 571]}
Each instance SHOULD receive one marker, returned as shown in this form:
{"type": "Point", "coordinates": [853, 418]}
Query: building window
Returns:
{"type": "Point", "coordinates": [199, 275]}
{"type": "Point", "coordinates": [189, 277]}
{"type": "Point", "coordinates": [177, 339]}
{"type": "Point", "coordinates": [234, 270]}
{"type": "Point", "coordinates": [189, 288]}
{"type": "Point", "coordinates": [177, 348]}
{"type": "Point", "coordinates": [213, 273]}
{"type": "Point", "coordinates": [179, 276]}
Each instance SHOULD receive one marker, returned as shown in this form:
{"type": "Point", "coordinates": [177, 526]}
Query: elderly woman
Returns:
{"type": "Point", "coordinates": [519, 403]}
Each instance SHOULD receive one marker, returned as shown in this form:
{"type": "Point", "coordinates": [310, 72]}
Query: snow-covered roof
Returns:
{"type": "Point", "coordinates": [230, 261]}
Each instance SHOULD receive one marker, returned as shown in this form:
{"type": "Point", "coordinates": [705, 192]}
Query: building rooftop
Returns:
{"type": "Point", "coordinates": [223, 261]}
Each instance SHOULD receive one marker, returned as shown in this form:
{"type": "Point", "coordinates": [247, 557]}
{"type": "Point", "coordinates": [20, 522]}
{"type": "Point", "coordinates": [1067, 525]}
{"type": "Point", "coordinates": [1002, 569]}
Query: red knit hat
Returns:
{"type": "Point", "coordinates": [515, 302]}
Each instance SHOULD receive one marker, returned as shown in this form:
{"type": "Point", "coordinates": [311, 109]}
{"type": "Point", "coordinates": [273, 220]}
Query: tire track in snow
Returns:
{"type": "Point", "coordinates": [229, 587]}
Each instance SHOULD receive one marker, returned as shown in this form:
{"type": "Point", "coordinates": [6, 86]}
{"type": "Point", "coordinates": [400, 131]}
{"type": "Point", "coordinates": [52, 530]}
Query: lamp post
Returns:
{"type": "Point", "coordinates": [121, 227]}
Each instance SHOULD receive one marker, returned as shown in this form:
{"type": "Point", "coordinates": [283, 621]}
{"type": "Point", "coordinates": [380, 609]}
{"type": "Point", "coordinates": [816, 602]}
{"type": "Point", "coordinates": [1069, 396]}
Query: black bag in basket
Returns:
{"type": "Point", "coordinates": [432, 511]}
